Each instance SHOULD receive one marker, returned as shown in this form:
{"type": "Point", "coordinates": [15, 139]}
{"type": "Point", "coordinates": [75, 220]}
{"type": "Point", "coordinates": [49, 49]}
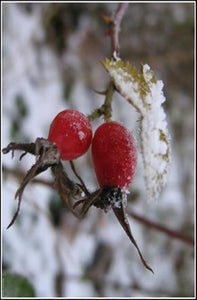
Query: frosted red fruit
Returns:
{"type": "Point", "coordinates": [114, 155]}
{"type": "Point", "coordinates": [71, 132]}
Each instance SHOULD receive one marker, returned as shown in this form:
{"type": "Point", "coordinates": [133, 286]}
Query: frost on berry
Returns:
{"type": "Point", "coordinates": [114, 155]}
{"type": "Point", "coordinates": [144, 92]}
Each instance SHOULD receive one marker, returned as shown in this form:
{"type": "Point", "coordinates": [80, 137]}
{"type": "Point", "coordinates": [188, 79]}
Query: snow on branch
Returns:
{"type": "Point", "coordinates": [144, 92]}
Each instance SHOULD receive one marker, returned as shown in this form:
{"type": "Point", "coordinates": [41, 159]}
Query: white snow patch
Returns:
{"type": "Point", "coordinates": [147, 97]}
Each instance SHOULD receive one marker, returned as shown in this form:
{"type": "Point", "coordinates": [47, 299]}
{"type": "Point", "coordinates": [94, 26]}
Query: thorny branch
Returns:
{"type": "Point", "coordinates": [141, 219]}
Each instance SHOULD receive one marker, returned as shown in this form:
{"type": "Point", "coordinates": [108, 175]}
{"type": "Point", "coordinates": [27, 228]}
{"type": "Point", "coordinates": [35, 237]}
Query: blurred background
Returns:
{"type": "Point", "coordinates": [51, 61]}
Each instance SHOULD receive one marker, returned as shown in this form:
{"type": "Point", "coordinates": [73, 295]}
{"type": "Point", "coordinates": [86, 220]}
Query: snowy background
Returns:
{"type": "Point", "coordinates": [51, 61]}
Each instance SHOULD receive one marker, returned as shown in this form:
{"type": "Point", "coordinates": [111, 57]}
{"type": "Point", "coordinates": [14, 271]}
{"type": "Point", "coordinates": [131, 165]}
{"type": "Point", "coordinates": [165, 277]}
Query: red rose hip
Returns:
{"type": "Point", "coordinates": [71, 132]}
{"type": "Point", "coordinates": [114, 155]}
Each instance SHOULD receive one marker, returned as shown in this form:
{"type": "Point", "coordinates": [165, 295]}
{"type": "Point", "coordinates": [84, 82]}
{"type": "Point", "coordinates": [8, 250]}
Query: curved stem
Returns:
{"type": "Point", "coordinates": [106, 109]}
{"type": "Point", "coordinates": [80, 179]}
{"type": "Point", "coordinates": [108, 101]}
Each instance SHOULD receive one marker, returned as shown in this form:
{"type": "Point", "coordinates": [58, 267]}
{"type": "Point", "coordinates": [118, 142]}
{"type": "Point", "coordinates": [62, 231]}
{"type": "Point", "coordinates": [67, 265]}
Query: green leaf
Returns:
{"type": "Point", "coordinates": [14, 285]}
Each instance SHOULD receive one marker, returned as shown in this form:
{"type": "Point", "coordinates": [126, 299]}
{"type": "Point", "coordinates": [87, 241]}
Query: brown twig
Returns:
{"type": "Point", "coordinates": [115, 29]}
{"type": "Point", "coordinates": [172, 233]}
{"type": "Point", "coordinates": [114, 23]}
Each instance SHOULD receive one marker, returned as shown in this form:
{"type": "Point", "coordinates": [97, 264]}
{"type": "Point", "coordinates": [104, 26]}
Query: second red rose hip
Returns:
{"type": "Point", "coordinates": [114, 155]}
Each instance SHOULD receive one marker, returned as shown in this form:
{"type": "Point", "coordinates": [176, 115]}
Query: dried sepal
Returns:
{"type": "Point", "coordinates": [46, 154]}
{"type": "Point", "coordinates": [34, 171]}
{"type": "Point", "coordinates": [114, 198]}
{"type": "Point", "coordinates": [143, 91]}
{"type": "Point", "coordinates": [26, 147]}
{"type": "Point", "coordinates": [122, 218]}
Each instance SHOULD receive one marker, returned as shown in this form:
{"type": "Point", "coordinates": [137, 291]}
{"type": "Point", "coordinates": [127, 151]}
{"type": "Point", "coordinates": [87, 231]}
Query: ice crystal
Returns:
{"type": "Point", "coordinates": [81, 135]}
{"type": "Point", "coordinates": [144, 92]}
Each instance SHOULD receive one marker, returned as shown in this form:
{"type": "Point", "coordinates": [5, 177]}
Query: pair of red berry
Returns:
{"type": "Point", "coordinates": [114, 151]}
{"type": "Point", "coordinates": [114, 156]}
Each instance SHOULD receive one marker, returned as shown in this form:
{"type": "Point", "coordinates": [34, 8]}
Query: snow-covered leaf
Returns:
{"type": "Point", "coordinates": [144, 92]}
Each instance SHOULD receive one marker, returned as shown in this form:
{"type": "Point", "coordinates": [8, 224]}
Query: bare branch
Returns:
{"type": "Point", "coordinates": [172, 233]}
{"type": "Point", "coordinates": [114, 23]}
{"type": "Point", "coordinates": [115, 29]}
